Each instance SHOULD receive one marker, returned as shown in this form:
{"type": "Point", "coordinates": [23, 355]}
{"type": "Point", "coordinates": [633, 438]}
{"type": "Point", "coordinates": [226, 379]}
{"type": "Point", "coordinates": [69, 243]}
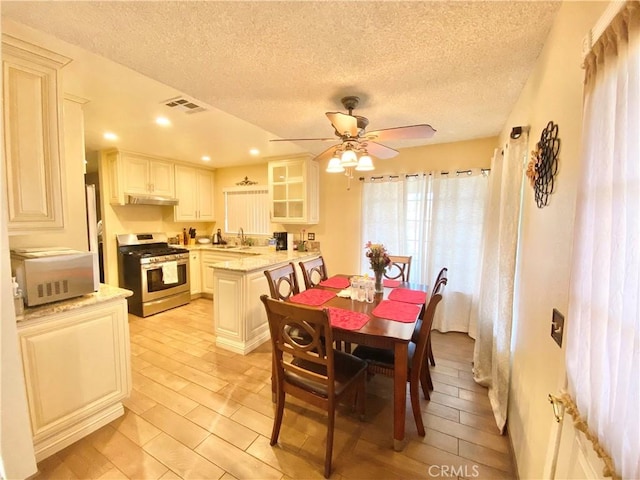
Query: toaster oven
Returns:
{"type": "Point", "coordinates": [52, 274]}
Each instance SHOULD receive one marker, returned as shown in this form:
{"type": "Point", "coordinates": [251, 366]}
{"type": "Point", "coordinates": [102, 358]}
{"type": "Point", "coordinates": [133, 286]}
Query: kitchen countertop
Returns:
{"type": "Point", "coordinates": [262, 258]}
{"type": "Point", "coordinates": [106, 293]}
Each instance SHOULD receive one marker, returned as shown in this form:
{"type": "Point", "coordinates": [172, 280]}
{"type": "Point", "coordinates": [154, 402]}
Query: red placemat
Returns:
{"type": "Point", "coordinates": [335, 282]}
{"type": "Point", "coordinates": [408, 296]}
{"type": "Point", "coordinates": [313, 297]}
{"type": "Point", "coordinates": [390, 283]}
{"type": "Point", "coordinates": [346, 319]}
{"type": "Point", "coordinates": [400, 311]}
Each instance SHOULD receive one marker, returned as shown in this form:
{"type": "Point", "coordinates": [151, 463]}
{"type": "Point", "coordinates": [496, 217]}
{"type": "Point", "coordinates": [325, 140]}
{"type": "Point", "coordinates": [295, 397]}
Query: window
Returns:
{"type": "Point", "coordinates": [247, 208]}
{"type": "Point", "coordinates": [438, 220]}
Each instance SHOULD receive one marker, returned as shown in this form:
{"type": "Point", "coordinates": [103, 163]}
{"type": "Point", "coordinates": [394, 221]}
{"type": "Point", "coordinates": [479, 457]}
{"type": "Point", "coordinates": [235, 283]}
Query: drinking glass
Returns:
{"type": "Point", "coordinates": [362, 292]}
{"type": "Point", "coordinates": [370, 290]}
{"type": "Point", "coordinates": [355, 285]}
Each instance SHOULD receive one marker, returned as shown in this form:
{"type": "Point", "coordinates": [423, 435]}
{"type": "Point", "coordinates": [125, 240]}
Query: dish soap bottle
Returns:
{"type": "Point", "coordinates": [18, 301]}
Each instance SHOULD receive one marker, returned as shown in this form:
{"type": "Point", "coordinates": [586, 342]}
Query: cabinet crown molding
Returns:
{"type": "Point", "coordinates": [16, 46]}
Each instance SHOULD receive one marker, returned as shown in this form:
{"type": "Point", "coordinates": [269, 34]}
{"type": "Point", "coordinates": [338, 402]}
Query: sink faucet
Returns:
{"type": "Point", "coordinates": [241, 236]}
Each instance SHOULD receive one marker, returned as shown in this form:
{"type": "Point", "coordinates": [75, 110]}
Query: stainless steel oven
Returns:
{"type": "Point", "coordinates": [157, 274]}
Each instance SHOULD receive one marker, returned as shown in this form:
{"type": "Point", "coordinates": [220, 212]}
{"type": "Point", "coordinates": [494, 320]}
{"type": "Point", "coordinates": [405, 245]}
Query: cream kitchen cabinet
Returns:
{"type": "Point", "coordinates": [210, 257]}
{"type": "Point", "coordinates": [33, 133]}
{"type": "Point", "coordinates": [194, 191]}
{"type": "Point", "coordinates": [77, 370]}
{"type": "Point", "coordinates": [138, 174]}
{"type": "Point", "coordinates": [195, 274]}
{"type": "Point", "coordinates": [294, 191]}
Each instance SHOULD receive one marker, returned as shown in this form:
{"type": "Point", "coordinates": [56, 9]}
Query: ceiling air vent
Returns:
{"type": "Point", "coordinates": [185, 104]}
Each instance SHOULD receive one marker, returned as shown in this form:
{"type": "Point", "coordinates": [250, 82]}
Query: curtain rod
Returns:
{"type": "Point", "coordinates": [408, 175]}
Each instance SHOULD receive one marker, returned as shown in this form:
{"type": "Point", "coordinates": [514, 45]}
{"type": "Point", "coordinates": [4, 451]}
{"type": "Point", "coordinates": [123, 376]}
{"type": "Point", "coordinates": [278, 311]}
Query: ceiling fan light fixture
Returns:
{"type": "Point", "coordinates": [335, 166]}
{"type": "Point", "coordinates": [365, 164]}
{"type": "Point", "coordinates": [348, 158]}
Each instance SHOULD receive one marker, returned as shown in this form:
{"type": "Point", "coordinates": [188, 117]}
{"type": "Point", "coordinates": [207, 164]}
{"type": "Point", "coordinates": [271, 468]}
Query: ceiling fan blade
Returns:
{"type": "Point", "coordinates": [410, 132]}
{"type": "Point", "coordinates": [333, 139]}
{"type": "Point", "coordinates": [328, 153]}
{"type": "Point", "coordinates": [381, 151]}
{"type": "Point", "coordinates": [343, 123]}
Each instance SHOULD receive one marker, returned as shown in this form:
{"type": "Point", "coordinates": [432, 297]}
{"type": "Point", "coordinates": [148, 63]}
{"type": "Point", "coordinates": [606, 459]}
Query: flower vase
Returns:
{"type": "Point", "coordinates": [379, 287]}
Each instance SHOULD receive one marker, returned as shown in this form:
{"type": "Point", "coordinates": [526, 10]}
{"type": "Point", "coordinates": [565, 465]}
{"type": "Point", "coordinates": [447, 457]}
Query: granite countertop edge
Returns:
{"type": "Point", "coordinates": [260, 262]}
{"type": "Point", "coordinates": [104, 294]}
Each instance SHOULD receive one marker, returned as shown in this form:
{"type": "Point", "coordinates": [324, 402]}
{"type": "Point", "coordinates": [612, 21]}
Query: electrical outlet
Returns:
{"type": "Point", "coordinates": [311, 236]}
{"type": "Point", "coordinates": [557, 327]}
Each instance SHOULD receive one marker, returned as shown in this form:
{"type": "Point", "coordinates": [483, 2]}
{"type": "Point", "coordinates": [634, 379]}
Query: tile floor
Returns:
{"type": "Point", "coordinates": [197, 411]}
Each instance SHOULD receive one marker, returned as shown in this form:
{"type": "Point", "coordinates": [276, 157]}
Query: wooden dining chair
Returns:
{"type": "Point", "coordinates": [307, 369]}
{"type": "Point", "coordinates": [383, 360]}
{"type": "Point", "coordinates": [441, 278]}
{"type": "Point", "coordinates": [399, 268]}
{"type": "Point", "coordinates": [283, 282]}
{"type": "Point", "coordinates": [313, 272]}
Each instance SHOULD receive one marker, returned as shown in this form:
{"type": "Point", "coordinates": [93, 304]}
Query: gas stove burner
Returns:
{"type": "Point", "coordinates": [156, 252]}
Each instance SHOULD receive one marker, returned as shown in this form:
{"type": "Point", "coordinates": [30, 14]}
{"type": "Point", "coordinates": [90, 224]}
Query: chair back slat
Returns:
{"type": "Point", "coordinates": [313, 272]}
{"type": "Point", "coordinates": [399, 268]}
{"type": "Point", "coordinates": [308, 356]}
{"type": "Point", "coordinates": [442, 277]}
{"type": "Point", "coordinates": [283, 282]}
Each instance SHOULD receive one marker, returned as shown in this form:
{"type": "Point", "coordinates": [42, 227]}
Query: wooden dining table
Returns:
{"type": "Point", "coordinates": [382, 333]}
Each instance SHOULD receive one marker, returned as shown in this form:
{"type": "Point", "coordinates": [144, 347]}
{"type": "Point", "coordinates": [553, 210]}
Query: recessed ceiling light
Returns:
{"type": "Point", "coordinates": [206, 158]}
{"type": "Point", "coordinates": [110, 136]}
{"type": "Point", "coordinates": [164, 121]}
{"type": "Point", "coordinates": [254, 151]}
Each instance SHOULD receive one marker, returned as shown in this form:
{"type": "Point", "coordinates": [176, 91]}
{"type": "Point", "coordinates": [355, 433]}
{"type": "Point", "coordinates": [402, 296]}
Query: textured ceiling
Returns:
{"type": "Point", "coordinates": [279, 66]}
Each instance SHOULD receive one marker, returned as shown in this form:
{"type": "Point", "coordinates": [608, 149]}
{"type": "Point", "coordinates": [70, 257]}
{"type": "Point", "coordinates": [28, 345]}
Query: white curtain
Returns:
{"type": "Point", "coordinates": [603, 319]}
{"type": "Point", "coordinates": [455, 242]}
{"type": "Point", "coordinates": [437, 219]}
{"type": "Point", "coordinates": [383, 207]}
{"type": "Point", "coordinates": [492, 315]}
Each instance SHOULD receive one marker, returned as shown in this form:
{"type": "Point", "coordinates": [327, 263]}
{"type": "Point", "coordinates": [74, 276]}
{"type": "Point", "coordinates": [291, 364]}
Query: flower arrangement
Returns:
{"type": "Point", "coordinates": [378, 256]}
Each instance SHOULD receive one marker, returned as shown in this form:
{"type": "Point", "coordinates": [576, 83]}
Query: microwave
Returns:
{"type": "Point", "coordinates": [51, 274]}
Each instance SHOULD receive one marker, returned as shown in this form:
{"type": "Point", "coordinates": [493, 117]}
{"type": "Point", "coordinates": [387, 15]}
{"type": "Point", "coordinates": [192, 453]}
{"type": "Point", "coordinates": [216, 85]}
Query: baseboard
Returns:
{"type": "Point", "coordinates": [512, 452]}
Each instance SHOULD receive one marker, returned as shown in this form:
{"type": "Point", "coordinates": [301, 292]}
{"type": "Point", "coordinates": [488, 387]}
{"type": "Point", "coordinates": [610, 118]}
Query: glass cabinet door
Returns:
{"type": "Point", "coordinates": [288, 190]}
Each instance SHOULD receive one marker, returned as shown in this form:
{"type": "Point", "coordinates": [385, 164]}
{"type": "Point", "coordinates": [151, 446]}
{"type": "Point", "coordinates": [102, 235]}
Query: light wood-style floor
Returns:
{"type": "Point", "coordinates": [201, 412]}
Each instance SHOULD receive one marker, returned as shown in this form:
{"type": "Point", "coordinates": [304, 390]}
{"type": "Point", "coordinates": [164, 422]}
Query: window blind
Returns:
{"type": "Point", "coordinates": [246, 208]}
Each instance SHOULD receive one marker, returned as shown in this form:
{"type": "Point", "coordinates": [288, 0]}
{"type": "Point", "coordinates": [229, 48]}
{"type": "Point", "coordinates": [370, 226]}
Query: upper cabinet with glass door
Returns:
{"type": "Point", "coordinates": [294, 191]}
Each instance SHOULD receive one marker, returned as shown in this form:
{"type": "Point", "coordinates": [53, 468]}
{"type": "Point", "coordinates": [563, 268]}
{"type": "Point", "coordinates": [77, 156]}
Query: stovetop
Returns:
{"type": "Point", "coordinates": [149, 246]}
{"type": "Point", "coordinates": [156, 252]}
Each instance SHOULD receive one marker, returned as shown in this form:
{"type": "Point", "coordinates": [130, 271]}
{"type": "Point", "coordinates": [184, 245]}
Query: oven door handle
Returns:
{"type": "Point", "coordinates": [153, 266]}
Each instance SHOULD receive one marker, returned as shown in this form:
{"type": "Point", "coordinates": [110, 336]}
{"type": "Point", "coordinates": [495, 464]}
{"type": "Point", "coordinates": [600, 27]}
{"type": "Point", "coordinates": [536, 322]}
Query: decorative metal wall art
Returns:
{"type": "Point", "coordinates": [543, 165]}
{"type": "Point", "coordinates": [246, 182]}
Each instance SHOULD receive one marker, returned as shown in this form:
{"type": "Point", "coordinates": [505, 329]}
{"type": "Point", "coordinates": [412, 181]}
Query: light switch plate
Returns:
{"type": "Point", "coordinates": [557, 327]}
{"type": "Point", "coordinates": [311, 236]}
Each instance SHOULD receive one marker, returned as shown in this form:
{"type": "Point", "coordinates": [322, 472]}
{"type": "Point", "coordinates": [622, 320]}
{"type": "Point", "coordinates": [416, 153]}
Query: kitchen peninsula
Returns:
{"type": "Point", "coordinates": [239, 318]}
{"type": "Point", "coordinates": [77, 367]}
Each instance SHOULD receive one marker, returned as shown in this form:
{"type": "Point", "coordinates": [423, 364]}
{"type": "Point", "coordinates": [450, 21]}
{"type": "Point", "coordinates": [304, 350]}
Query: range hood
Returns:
{"type": "Point", "coordinates": [149, 200]}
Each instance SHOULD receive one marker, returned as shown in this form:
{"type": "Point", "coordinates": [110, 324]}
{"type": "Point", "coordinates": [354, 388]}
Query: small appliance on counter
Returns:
{"type": "Point", "coordinates": [52, 274]}
{"type": "Point", "coordinates": [281, 240]}
{"type": "Point", "coordinates": [217, 238]}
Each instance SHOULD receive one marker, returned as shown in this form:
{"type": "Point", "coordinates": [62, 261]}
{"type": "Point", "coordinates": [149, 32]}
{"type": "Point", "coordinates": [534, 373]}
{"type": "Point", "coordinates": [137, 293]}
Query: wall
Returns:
{"type": "Point", "coordinates": [552, 92]}
{"type": "Point", "coordinates": [17, 458]}
{"type": "Point", "coordinates": [339, 229]}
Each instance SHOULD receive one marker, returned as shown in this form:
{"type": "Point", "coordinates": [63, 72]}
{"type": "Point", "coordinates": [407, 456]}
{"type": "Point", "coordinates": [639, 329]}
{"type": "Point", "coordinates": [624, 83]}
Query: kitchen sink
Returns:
{"type": "Point", "coordinates": [226, 246]}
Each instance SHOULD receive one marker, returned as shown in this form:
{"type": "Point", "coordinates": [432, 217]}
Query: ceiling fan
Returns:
{"type": "Point", "coordinates": [351, 130]}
